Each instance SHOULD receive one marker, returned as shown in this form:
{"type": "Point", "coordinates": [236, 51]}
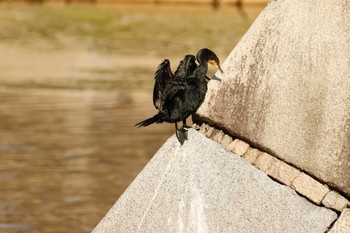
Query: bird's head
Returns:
{"type": "Point", "coordinates": [210, 57]}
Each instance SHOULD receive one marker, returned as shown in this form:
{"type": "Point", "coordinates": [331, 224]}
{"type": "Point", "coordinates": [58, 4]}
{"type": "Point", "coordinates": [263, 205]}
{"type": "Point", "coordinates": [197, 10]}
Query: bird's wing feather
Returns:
{"type": "Point", "coordinates": [162, 77]}
{"type": "Point", "coordinates": [186, 66]}
{"type": "Point", "coordinates": [175, 88]}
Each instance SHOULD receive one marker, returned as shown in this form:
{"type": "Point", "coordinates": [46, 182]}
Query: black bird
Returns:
{"type": "Point", "coordinates": [179, 95]}
{"type": "Point", "coordinates": [165, 81]}
{"type": "Point", "coordinates": [164, 75]}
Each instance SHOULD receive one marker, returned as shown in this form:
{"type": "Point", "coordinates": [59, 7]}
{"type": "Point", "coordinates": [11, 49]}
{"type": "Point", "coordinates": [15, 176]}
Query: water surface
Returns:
{"type": "Point", "coordinates": [73, 82]}
{"type": "Point", "coordinates": [68, 153]}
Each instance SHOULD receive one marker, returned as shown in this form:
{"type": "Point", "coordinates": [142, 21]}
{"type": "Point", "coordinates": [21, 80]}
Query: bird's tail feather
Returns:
{"type": "Point", "coordinates": [149, 121]}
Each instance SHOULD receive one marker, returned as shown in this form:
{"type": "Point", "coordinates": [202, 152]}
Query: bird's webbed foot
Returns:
{"type": "Point", "coordinates": [181, 134]}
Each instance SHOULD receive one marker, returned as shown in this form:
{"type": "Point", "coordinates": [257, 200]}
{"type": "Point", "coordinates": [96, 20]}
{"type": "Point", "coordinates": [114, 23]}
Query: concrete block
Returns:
{"type": "Point", "coordinates": [209, 131]}
{"type": "Point", "coordinates": [335, 201]}
{"type": "Point", "coordinates": [232, 145]}
{"type": "Point", "coordinates": [195, 126]}
{"type": "Point", "coordinates": [203, 128]}
{"type": "Point", "coordinates": [217, 135]}
{"type": "Point", "coordinates": [201, 187]}
{"type": "Point", "coordinates": [283, 172]}
{"type": "Point", "coordinates": [342, 225]}
{"type": "Point", "coordinates": [310, 188]}
{"type": "Point", "coordinates": [240, 148]}
{"type": "Point", "coordinates": [265, 161]}
{"type": "Point", "coordinates": [286, 87]}
{"type": "Point", "coordinates": [226, 140]}
{"type": "Point", "coordinates": [252, 155]}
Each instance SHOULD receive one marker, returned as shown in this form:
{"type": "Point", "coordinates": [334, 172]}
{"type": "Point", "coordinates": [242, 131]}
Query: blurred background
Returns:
{"type": "Point", "coordinates": [74, 79]}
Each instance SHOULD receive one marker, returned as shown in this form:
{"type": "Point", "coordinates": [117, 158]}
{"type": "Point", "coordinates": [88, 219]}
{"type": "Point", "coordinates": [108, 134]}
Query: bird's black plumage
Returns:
{"type": "Point", "coordinates": [179, 95]}
{"type": "Point", "coordinates": [165, 79]}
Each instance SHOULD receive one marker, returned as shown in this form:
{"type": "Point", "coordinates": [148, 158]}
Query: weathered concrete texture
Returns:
{"type": "Point", "coordinates": [283, 172]}
{"type": "Point", "coordinates": [252, 155]}
{"type": "Point", "coordinates": [335, 201]}
{"type": "Point", "coordinates": [342, 225]}
{"type": "Point", "coordinates": [201, 187]}
{"type": "Point", "coordinates": [286, 87]}
{"type": "Point", "coordinates": [226, 140]}
{"type": "Point", "coordinates": [310, 188]}
{"type": "Point", "coordinates": [240, 147]}
{"type": "Point", "coordinates": [265, 161]}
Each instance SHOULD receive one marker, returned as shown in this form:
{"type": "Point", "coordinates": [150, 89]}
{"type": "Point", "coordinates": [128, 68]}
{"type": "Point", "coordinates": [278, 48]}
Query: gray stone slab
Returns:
{"type": "Point", "coordinates": [286, 87]}
{"type": "Point", "coordinates": [201, 187]}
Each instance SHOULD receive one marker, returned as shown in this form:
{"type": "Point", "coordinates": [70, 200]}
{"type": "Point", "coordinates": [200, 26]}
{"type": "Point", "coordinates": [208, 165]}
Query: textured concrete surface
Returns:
{"type": "Point", "coordinates": [201, 187]}
{"type": "Point", "coordinates": [286, 174]}
{"type": "Point", "coordinates": [265, 161]}
{"type": "Point", "coordinates": [226, 140]}
{"type": "Point", "coordinates": [217, 136]}
{"type": "Point", "coordinates": [310, 188]}
{"type": "Point", "coordinates": [252, 155]}
{"type": "Point", "coordinates": [286, 87]}
{"type": "Point", "coordinates": [283, 172]}
{"type": "Point", "coordinates": [335, 201]}
{"type": "Point", "coordinates": [240, 148]}
{"type": "Point", "coordinates": [342, 225]}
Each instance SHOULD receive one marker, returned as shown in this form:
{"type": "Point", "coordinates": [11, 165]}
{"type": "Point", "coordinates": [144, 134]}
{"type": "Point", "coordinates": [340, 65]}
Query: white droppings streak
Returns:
{"type": "Point", "coordinates": [180, 222]}
{"type": "Point", "coordinates": [199, 221]}
{"type": "Point", "coordinates": [157, 190]}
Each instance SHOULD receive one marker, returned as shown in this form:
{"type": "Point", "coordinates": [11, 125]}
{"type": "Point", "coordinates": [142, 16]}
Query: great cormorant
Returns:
{"type": "Point", "coordinates": [179, 95]}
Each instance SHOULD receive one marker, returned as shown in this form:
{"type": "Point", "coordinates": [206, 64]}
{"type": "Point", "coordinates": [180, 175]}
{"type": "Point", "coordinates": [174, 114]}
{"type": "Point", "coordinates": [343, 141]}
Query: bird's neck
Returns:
{"type": "Point", "coordinates": [202, 68]}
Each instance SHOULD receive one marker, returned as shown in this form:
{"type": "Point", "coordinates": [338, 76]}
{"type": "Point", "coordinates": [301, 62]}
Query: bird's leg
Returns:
{"type": "Point", "coordinates": [184, 129]}
{"type": "Point", "coordinates": [181, 134]}
{"type": "Point", "coordinates": [184, 125]}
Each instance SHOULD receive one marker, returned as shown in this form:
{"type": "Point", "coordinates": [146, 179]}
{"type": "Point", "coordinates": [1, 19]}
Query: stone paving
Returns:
{"type": "Point", "coordinates": [303, 184]}
{"type": "Point", "coordinates": [203, 187]}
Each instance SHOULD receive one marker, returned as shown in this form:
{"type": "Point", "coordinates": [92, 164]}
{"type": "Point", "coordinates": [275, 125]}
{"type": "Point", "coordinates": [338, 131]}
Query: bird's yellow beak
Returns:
{"type": "Point", "coordinates": [214, 63]}
{"type": "Point", "coordinates": [219, 68]}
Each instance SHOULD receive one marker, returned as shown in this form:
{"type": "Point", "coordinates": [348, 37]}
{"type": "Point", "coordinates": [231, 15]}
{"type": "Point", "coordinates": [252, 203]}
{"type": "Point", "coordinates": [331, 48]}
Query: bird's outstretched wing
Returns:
{"type": "Point", "coordinates": [175, 88]}
{"type": "Point", "coordinates": [168, 85]}
{"type": "Point", "coordinates": [186, 66]}
{"type": "Point", "coordinates": [162, 77]}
